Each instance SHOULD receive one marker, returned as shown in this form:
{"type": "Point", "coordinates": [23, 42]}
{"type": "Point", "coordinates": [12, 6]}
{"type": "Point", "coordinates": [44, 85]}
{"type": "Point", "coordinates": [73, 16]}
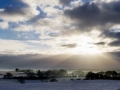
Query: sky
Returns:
{"type": "Point", "coordinates": [76, 34]}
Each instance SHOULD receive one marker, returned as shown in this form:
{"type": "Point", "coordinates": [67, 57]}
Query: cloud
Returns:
{"type": "Point", "coordinates": [18, 15]}
{"type": "Point", "coordinates": [100, 43]}
{"type": "Point", "coordinates": [115, 43]}
{"type": "Point", "coordinates": [113, 38]}
{"type": "Point", "coordinates": [10, 10]}
{"type": "Point", "coordinates": [115, 54]}
{"type": "Point", "coordinates": [16, 47]}
{"type": "Point", "coordinates": [53, 22]}
{"type": "Point", "coordinates": [93, 15]}
{"type": "Point", "coordinates": [4, 25]}
{"type": "Point", "coordinates": [31, 61]}
{"type": "Point", "coordinates": [47, 28]}
{"type": "Point", "coordinates": [24, 28]}
{"type": "Point", "coordinates": [39, 61]}
{"type": "Point", "coordinates": [15, 11]}
{"type": "Point", "coordinates": [69, 45]}
{"type": "Point", "coordinates": [109, 34]}
{"type": "Point", "coordinates": [12, 46]}
{"type": "Point", "coordinates": [65, 2]}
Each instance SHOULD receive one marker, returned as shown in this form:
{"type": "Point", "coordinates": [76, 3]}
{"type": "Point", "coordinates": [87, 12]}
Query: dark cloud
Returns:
{"type": "Point", "coordinates": [13, 10]}
{"type": "Point", "coordinates": [69, 45]}
{"type": "Point", "coordinates": [109, 34]}
{"type": "Point", "coordinates": [115, 54]}
{"type": "Point", "coordinates": [65, 2]}
{"type": "Point", "coordinates": [79, 61]}
{"type": "Point", "coordinates": [114, 36]}
{"type": "Point", "coordinates": [91, 15]}
{"type": "Point", "coordinates": [33, 61]}
{"type": "Point", "coordinates": [100, 43]}
{"type": "Point", "coordinates": [115, 43]}
{"type": "Point", "coordinates": [12, 6]}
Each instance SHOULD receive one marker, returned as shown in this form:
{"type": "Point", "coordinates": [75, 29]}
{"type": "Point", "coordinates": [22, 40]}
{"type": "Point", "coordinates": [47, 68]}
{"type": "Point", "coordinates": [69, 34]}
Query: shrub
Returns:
{"type": "Point", "coordinates": [21, 80]}
{"type": "Point", "coordinates": [72, 79]}
{"type": "Point", "coordinates": [53, 80]}
{"type": "Point", "coordinates": [8, 75]}
{"type": "Point", "coordinates": [78, 79]}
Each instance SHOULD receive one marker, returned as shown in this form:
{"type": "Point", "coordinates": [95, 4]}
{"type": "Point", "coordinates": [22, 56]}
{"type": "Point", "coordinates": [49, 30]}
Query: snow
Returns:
{"type": "Point", "coordinates": [65, 85]}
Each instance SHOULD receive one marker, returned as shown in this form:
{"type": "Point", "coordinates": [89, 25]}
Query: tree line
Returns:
{"type": "Point", "coordinates": [109, 75]}
{"type": "Point", "coordinates": [31, 74]}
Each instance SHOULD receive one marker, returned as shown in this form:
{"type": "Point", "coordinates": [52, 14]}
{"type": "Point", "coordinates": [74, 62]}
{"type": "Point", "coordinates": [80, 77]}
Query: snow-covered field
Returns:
{"type": "Point", "coordinates": [64, 85]}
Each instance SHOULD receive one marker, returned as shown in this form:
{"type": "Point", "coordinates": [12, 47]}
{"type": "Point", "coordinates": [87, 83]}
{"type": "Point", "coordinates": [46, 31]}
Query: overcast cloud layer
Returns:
{"type": "Point", "coordinates": [37, 61]}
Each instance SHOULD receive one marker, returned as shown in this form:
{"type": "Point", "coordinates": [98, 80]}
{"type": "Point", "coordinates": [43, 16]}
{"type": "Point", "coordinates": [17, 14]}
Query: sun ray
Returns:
{"type": "Point", "coordinates": [86, 46]}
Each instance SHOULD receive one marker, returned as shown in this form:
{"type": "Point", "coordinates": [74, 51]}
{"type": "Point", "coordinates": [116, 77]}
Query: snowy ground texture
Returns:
{"type": "Point", "coordinates": [63, 85]}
